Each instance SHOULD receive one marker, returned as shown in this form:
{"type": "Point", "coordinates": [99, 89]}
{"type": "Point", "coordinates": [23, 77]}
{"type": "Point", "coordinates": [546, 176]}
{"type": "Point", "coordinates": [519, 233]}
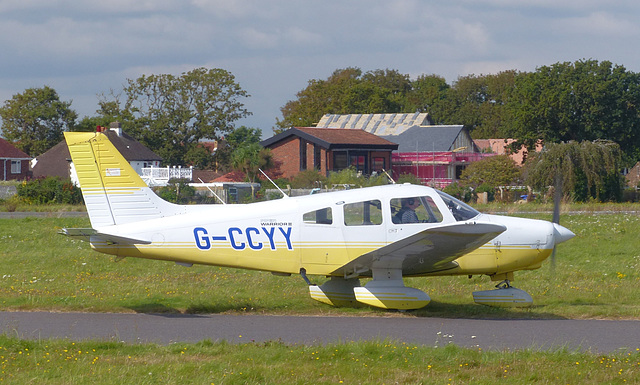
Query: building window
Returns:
{"type": "Point", "coordinates": [317, 157]}
{"type": "Point", "coordinates": [359, 162]}
{"type": "Point", "coordinates": [378, 164]}
{"type": "Point", "coordinates": [340, 161]}
{"type": "Point", "coordinates": [303, 155]}
{"type": "Point", "coordinates": [16, 166]}
{"type": "Point", "coordinates": [233, 194]}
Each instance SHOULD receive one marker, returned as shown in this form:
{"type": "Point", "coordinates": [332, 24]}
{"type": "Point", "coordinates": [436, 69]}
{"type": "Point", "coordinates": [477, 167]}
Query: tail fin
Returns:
{"type": "Point", "coordinates": [113, 192]}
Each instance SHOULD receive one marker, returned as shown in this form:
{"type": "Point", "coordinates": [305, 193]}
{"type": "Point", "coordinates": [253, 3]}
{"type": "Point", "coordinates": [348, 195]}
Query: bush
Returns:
{"type": "Point", "coordinates": [177, 191]}
{"type": "Point", "coordinates": [408, 178]}
{"type": "Point", "coordinates": [490, 190]}
{"type": "Point", "coordinates": [458, 191]}
{"type": "Point", "coordinates": [49, 190]}
{"type": "Point", "coordinates": [308, 179]}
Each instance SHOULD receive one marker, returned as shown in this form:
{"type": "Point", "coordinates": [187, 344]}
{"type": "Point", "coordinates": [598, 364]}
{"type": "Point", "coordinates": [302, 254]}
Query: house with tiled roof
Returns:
{"type": "Point", "coordinates": [502, 147]}
{"type": "Point", "coordinates": [57, 161]}
{"type": "Point", "coordinates": [14, 163]}
{"type": "Point", "coordinates": [329, 149]}
{"type": "Point", "coordinates": [378, 124]}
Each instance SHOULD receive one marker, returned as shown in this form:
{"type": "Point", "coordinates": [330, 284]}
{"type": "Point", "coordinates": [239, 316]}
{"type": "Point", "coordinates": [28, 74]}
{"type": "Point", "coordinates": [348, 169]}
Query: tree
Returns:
{"type": "Point", "coordinates": [36, 119]}
{"type": "Point", "coordinates": [250, 159]}
{"type": "Point", "coordinates": [494, 171]}
{"type": "Point", "coordinates": [171, 114]}
{"type": "Point", "coordinates": [581, 101]}
{"type": "Point", "coordinates": [235, 139]}
{"type": "Point", "coordinates": [480, 103]}
{"type": "Point", "coordinates": [347, 91]}
{"type": "Point", "coordinates": [584, 170]}
{"type": "Point", "coordinates": [428, 94]}
{"type": "Point", "coordinates": [89, 123]}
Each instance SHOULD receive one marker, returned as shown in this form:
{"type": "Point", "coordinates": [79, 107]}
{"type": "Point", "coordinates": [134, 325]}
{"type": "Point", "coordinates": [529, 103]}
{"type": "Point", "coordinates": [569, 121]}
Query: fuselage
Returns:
{"type": "Point", "coordinates": [322, 232]}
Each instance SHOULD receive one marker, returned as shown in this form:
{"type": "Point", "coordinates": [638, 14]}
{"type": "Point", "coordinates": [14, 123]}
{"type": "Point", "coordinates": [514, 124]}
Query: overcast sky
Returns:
{"type": "Point", "coordinates": [273, 48]}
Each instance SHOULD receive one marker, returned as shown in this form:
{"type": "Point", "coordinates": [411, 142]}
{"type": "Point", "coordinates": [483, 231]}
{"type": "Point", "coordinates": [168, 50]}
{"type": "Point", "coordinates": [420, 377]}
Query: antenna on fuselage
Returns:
{"type": "Point", "coordinates": [214, 194]}
{"type": "Point", "coordinates": [284, 195]}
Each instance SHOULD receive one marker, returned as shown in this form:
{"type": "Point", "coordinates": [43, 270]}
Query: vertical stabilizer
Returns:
{"type": "Point", "coordinates": [113, 192]}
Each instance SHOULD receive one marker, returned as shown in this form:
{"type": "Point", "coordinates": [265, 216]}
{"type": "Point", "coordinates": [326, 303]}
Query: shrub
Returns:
{"type": "Point", "coordinates": [49, 190]}
{"type": "Point", "coordinates": [457, 190]}
{"type": "Point", "coordinates": [177, 191]}
{"type": "Point", "coordinates": [308, 179]}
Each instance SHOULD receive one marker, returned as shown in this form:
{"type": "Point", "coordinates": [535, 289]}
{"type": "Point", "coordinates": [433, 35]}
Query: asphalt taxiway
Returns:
{"type": "Point", "coordinates": [597, 336]}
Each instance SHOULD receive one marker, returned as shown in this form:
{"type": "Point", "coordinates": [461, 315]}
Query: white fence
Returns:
{"type": "Point", "coordinates": [159, 176]}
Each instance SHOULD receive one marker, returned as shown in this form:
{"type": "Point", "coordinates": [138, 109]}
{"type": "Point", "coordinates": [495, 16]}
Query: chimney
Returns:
{"type": "Point", "coordinates": [116, 127]}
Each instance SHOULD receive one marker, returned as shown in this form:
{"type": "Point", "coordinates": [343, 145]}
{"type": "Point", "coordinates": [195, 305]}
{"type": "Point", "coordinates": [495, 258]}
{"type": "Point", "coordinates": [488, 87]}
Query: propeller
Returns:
{"type": "Point", "coordinates": [560, 233]}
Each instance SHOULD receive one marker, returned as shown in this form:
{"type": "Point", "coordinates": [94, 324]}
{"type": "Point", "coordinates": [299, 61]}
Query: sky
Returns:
{"type": "Point", "coordinates": [273, 48]}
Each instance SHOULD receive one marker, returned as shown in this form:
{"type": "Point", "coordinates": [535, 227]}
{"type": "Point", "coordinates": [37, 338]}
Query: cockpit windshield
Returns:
{"type": "Point", "coordinates": [460, 210]}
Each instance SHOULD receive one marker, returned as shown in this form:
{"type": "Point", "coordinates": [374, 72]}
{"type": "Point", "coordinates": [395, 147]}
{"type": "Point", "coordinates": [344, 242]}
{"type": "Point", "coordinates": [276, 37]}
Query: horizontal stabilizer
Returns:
{"type": "Point", "coordinates": [92, 235]}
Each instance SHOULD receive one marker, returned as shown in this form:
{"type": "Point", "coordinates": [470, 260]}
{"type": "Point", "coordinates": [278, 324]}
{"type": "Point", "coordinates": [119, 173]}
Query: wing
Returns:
{"type": "Point", "coordinates": [92, 235]}
{"type": "Point", "coordinates": [430, 250]}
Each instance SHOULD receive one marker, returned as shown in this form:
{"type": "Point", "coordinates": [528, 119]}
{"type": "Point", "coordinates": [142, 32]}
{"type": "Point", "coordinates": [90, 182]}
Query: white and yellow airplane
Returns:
{"type": "Point", "coordinates": [344, 235]}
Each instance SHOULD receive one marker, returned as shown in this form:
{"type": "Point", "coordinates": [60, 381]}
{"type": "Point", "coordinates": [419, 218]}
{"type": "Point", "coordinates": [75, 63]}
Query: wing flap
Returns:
{"type": "Point", "coordinates": [93, 235]}
{"type": "Point", "coordinates": [430, 250]}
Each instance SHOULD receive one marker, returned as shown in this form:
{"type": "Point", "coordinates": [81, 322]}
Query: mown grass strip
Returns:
{"type": "Point", "coordinates": [596, 276]}
{"type": "Point", "coordinates": [370, 362]}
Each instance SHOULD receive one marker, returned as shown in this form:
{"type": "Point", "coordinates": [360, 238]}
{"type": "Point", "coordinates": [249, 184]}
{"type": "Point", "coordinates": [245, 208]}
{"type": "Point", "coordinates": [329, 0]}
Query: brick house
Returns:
{"type": "Point", "coordinates": [329, 149]}
{"type": "Point", "coordinates": [14, 163]}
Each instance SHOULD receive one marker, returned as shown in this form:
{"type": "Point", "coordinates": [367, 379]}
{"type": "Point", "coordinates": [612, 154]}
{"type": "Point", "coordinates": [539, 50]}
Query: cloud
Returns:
{"type": "Point", "coordinates": [598, 24]}
{"type": "Point", "coordinates": [82, 48]}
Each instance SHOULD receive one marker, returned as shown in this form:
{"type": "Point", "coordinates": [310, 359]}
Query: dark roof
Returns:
{"type": "Point", "coordinates": [55, 162]}
{"type": "Point", "coordinates": [332, 138]}
{"type": "Point", "coordinates": [8, 150]}
{"type": "Point", "coordinates": [205, 175]}
{"type": "Point", "coordinates": [426, 138]}
{"type": "Point", "coordinates": [130, 148]}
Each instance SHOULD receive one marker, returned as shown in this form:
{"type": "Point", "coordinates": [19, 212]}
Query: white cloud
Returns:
{"type": "Point", "coordinates": [274, 48]}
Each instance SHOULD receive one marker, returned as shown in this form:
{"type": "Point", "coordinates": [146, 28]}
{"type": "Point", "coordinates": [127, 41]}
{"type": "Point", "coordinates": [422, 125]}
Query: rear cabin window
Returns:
{"type": "Point", "coordinates": [415, 210]}
{"type": "Point", "coordinates": [363, 213]}
{"type": "Point", "coordinates": [321, 217]}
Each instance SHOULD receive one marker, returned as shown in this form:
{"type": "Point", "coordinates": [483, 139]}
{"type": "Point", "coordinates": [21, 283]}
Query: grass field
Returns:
{"type": "Point", "coordinates": [372, 362]}
{"type": "Point", "coordinates": [596, 276]}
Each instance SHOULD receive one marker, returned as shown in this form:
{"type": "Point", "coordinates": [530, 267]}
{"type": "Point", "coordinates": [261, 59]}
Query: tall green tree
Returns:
{"type": "Point", "coordinates": [480, 103]}
{"type": "Point", "coordinates": [428, 93]}
{"type": "Point", "coordinates": [35, 119]}
{"type": "Point", "coordinates": [581, 101]}
{"type": "Point", "coordinates": [250, 159]}
{"type": "Point", "coordinates": [347, 91]}
{"type": "Point", "coordinates": [171, 114]}
{"type": "Point", "coordinates": [583, 170]}
{"type": "Point", "coordinates": [235, 139]}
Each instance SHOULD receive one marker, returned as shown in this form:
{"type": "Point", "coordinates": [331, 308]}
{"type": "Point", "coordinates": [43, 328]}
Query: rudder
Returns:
{"type": "Point", "coordinates": [113, 192]}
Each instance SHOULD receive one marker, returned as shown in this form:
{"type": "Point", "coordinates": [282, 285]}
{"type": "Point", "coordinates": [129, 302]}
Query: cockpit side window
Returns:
{"type": "Point", "coordinates": [363, 213]}
{"type": "Point", "coordinates": [415, 210]}
{"type": "Point", "coordinates": [460, 210]}
{"type": "Point", "coordinates": [321, 217]}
